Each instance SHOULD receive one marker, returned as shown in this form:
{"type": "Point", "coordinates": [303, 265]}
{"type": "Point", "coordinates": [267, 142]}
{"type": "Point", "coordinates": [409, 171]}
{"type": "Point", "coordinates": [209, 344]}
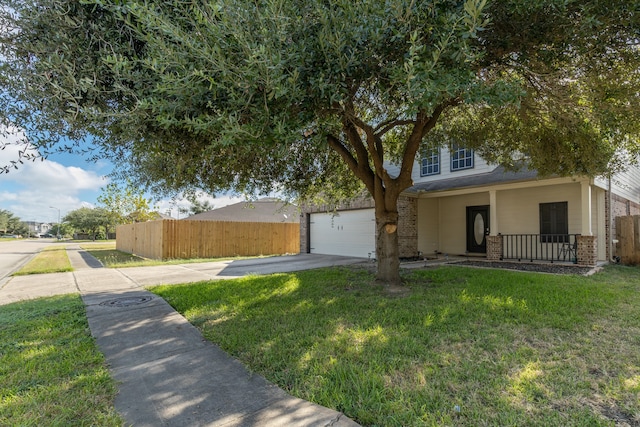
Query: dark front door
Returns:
{"type": "Point", "coordinates": [477, 228]}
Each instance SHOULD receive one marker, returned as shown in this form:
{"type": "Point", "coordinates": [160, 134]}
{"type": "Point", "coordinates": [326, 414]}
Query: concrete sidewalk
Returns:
{"type": "Point", "coordinates": [168, 374]}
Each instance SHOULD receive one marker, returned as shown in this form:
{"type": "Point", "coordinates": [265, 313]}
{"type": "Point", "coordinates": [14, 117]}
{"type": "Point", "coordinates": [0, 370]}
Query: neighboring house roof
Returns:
{"type": "Point", "coordinates": [263, 210]}
{"type": "Point", "coordinates": [160, 215]}
{"type": "Point", "coordinates": [497, 176]}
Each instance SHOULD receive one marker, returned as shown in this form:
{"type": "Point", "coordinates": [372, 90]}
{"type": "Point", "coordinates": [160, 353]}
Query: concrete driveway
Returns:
{"type": "Point", "coordinates": [195, 272]}
{"type": "Point", "coordinates": [87, 268]}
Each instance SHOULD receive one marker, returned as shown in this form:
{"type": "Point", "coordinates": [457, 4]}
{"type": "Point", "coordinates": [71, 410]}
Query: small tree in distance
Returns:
{"type": "Point", "coordinates": [315, 99]}
{"type": "Point", "coordinates": [125, 204]}
{"type": "Point", "coordinates": [88, 220]}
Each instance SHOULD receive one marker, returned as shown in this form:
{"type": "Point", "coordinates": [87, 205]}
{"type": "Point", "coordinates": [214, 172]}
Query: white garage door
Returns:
{"type": "Point", "coordinates": [348, 233]}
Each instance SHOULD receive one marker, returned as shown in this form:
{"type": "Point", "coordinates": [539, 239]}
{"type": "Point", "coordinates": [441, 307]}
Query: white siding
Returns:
{"type": "Point", "coordinates": [480, 166]}
{"type": "Point", "coordinates": [625, 184]}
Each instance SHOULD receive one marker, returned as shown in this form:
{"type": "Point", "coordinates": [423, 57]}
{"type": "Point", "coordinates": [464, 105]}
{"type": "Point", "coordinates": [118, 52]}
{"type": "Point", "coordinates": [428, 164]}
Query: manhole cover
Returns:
{"type": "Point", "coordinates": [126, 301]}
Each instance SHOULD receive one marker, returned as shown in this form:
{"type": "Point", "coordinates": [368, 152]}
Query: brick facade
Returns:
{"type": "Point", "coordinates": [407, 222]}
{"type": "Point", "coordinates": [587, 250]}
{"type": "Point", "coordinates": [408, 227]}
{"type": "Point", "coordinates": [621, 207]}
{"type": "Point", "coordinates": [494, 248]}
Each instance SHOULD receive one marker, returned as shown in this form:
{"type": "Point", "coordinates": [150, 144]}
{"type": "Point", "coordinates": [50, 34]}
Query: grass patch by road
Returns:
{"type": "Point", "coordinates": [464, 347]}
{"type": "Point", "coordinates": [53, 259]}
{"type": "Point", "coordinates": [112, 258]}
{"type": "Point", "coordinates": [51, 373]}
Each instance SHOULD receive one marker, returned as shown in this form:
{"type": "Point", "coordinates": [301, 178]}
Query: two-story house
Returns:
{"type": "Point", "coordinates": [461, 205]}
{"type": "Point", "coordinates": [38, 228]}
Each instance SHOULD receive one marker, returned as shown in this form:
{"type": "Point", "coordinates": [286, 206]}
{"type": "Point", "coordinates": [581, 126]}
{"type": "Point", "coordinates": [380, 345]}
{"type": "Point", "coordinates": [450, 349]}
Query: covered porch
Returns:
{"type": "Point", "coordinates": [549, 220]}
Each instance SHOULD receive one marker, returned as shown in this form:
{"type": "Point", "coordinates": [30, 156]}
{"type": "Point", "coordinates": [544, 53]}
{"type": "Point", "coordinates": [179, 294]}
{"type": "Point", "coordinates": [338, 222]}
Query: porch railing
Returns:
{"type": "Point", "coordinates": [540, 247]}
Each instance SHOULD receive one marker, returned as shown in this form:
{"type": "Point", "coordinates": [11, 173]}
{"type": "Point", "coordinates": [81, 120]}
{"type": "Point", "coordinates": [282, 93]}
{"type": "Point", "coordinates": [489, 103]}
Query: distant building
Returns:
{"type": "Point", "coordinates": [38, 228]}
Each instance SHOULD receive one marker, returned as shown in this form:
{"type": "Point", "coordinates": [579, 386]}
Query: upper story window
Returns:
{"type": "Point", "coordinates": [461, 158]}
{"type": "Point", "coordinates": [430, 165]}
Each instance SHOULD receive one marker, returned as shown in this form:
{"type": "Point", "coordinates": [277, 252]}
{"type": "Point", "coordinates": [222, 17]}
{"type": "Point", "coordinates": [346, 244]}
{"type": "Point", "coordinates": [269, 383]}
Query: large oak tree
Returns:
{"type": "Point", "coordinates": [316, 98]}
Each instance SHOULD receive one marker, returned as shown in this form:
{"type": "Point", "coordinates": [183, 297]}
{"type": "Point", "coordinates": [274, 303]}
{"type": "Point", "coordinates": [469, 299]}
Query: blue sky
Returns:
{"type": "Point", "coordinates": [66, 182]}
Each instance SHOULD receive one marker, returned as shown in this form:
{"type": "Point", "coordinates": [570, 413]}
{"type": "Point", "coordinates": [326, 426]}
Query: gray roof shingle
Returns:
{"type": "Point", "coordinates": [263, 210]}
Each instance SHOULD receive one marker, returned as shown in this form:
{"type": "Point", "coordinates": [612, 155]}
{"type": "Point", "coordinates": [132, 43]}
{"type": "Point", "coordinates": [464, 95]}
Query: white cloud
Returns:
{"type": "Point", "coordinates": [31, 190]}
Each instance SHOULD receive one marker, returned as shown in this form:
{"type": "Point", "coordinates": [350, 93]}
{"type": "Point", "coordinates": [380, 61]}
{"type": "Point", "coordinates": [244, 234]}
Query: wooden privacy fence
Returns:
{"type": "Point", "coordinates": [628, 236]}
{"type": "Point", "coordinates": [172, 239]}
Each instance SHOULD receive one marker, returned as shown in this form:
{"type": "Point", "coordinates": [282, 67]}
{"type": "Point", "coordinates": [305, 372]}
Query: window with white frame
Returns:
{"type": "Point", "coordinates": [430, 164]}
{"type": "Point", "coordinates": [461, 158]}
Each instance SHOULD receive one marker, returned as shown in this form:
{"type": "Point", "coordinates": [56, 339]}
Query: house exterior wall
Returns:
{"type": "Point", "coordinates": [436, 222]}
{"type": "Point", "coordinates": [449, 233]}
{"type": "Point", "coordinates": [441, 220]}
{"type": "Point", "coordinates": [428, 218]}
{"type": "Point", "coordinates": [407, 223]}
{"type": "Point", "coordinates": [408, 227]}
{"type": "Point", "coordinates": [624, 184]}
{"type": "Point", "coordinates": [519, 212]}
{"type": "Point", "coordinates": [480, 166]}
{"type": "Point", "coordinates": [306, 211]}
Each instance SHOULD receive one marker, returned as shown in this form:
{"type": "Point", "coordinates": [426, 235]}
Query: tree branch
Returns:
{"type": "Point", "coordinates": [364, 174]}
{"type": "Point", "coordinates": [423, 125]}
{"type": "Point", "coordinates": [385, 127]}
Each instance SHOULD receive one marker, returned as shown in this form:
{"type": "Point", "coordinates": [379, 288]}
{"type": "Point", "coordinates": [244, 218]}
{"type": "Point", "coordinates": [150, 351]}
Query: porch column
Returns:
{"type": "Point", "coordinates": [585, 208]}
{"type": "Point", "coordinates": [586, 244]}
{"type": "Point", "coordinates": [493, 213]}
{"type": "Point", "coordinates": [494, 242]}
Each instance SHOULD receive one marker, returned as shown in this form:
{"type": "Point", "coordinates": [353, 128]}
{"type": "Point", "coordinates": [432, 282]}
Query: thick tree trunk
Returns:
{"type": "Point", "coordinates": [387, 251]}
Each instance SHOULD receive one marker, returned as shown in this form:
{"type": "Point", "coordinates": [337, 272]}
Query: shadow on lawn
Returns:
{"type": "Point", "coordinates": [464, 347]}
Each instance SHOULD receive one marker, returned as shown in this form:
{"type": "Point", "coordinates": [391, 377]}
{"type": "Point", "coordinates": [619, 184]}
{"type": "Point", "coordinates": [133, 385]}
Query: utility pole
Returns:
{"type": "Point", "coordinates": [58, 230]}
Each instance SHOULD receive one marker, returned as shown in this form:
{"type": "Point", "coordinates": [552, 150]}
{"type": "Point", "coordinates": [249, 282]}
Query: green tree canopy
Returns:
{"type": "Point", "coordinates": [11, 224]}
{"type": "Point", "coordinates": [125, 203]}
{"type": "Point", "coordinates": [88, 220]}
{"type": "Point", "coordinates": [317, 97]}
{"type": "Point", "coordinates": [197, 206]}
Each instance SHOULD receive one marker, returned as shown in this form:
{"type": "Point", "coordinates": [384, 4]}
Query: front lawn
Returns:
{"type": "Point", "coordinates": [463, 347]}
{"type": "Point", "coordinates": [51, 373]}
{"type": "Point", "coordinates": [53, 259]}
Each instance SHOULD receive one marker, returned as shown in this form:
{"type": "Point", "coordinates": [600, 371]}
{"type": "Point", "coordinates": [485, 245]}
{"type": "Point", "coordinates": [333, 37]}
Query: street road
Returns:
{"type": "Point", "coordinates": [14, 253]}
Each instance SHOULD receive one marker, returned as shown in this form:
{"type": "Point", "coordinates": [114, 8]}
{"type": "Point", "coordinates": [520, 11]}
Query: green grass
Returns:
{"type": "Point", "coordinates": [53, 259]}
{"type": "Point", "coordinates": [112, 258]}
{"type": "Point", "coordinates": [505, 348]}
{"type": "Point", "coordinates": [50, 371]}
